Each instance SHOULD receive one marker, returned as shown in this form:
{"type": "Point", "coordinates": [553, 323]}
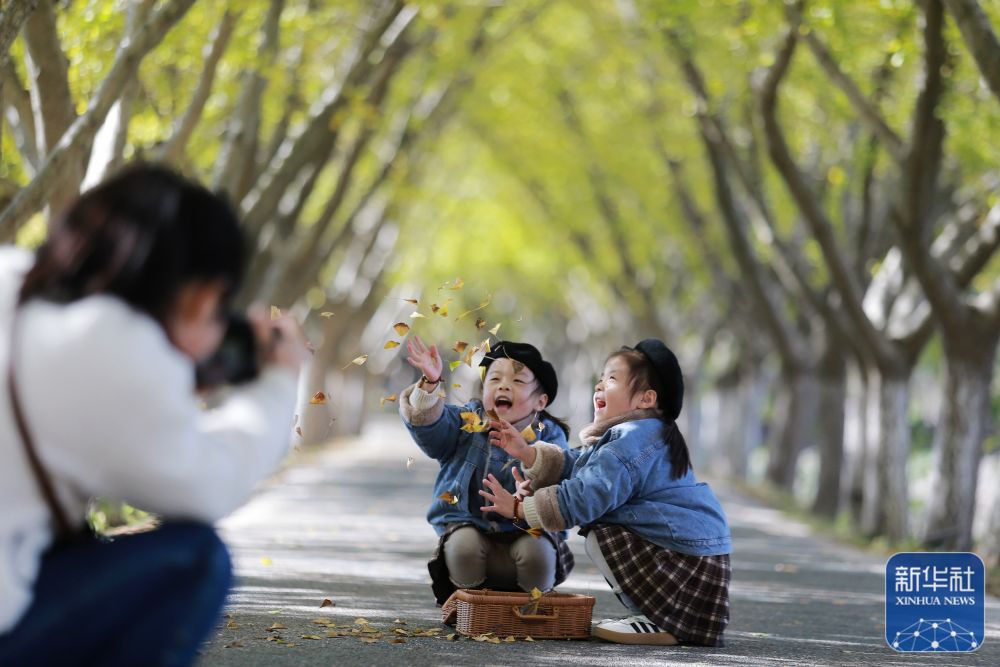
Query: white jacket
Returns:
{"type": "Point", "coordinates": [111, 407]}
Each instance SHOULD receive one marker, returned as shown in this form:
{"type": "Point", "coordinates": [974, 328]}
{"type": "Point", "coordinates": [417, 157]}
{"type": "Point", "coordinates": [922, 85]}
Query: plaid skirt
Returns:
{"type": "Point", "coordinates": [438, 568]}
{"type": "Point", "coordinates": [688, 596]}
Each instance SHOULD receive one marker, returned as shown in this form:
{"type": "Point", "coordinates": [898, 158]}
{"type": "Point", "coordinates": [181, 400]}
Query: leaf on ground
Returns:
{"type": "Point", "coordinates": [318, 398]}
{"type": "Point", "coordinates": [368, 640]}
{"type": "Point", "coordinates": [275, 627]}
{"type": "Point", "coordinates": [451, 637]}
{"type": "Point", "coordinates": [400, 621]}
{"type": "Point", "coordinates": [528, 639]}
{"type": "Point", "coordinates": [397, 641]}
{"type": "Point", "coordinates": [232, 625]}
{"type": "Point", "coordinates": [390, 344]}
{"type": "Point", "coordinates": [402, 632]}
{"type": "Point", "coordinates": [460, 346]}
{"type": "Point", "coordinates": [402, 328]}
{"type": "Point", "coordinates": [391, 398]}
{"type": "Point", "coordinates": [449, 498]}
{"type": "Point", "coordinates": [361, 621]}
{"type": "Point", "coordinates": [495, 329]}
{"type": "Point", "coordinates": [326, 313]}
{"type": "Point", "coordinates": [510, 638]}
{"type": "Point", "coordinates": [528, 434]}
{"type": "Point", "coordinates": [327, 602]}
{"type": "Point", "coordinates": [274, 638]}
{"type": "Point", "coordinates": [313, 637]}
{"type": "Point", "coordinates": [415, 315]}
{"type": "Point", "coordinates": [234, 644]}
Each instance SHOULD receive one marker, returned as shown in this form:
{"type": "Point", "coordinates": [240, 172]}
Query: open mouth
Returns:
{"type": "Point", "coordinates": [600, 403]}
{"type": "Point", "coordinates": [503, 403]}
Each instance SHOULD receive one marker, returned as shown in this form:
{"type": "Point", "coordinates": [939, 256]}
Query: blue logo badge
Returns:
{"type": "Point", "coordinates": [935, 602]}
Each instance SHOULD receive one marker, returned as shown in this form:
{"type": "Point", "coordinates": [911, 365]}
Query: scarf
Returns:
{"type": "Point", "coordinates": [592, 433]}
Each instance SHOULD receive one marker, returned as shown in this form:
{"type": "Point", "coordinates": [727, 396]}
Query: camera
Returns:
{"type": "Point", "coordinates": [235, 361]}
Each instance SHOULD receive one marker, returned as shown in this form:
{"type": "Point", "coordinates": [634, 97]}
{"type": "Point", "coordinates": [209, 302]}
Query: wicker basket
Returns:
{"type": "Point", "coordinates": [558, 615]}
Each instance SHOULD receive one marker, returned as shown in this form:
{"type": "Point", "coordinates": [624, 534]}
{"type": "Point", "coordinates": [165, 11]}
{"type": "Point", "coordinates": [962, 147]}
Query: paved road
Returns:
{"type": "Point", "coordinates": [347, 525]}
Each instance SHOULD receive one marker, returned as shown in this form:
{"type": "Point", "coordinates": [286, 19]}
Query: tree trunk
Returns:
{"type": "Point", "coordinates": [796, 414]}
{"type": "Point", "coordinates": [832, 398]}
{"type": "Point", "coordinates": [856, 441]}
{"type": "Point", "coordinates": [885, 505]}
{"type": "Point", "coordinates": [958, 444]}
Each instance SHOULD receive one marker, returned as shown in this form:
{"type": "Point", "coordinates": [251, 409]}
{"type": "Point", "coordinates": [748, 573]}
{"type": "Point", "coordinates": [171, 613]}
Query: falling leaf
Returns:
{"type": "Point", "coordinates": [495, 329]}
{"type": "Point", "coordinates": [449, 498]}
{"type": "Point", "coordinates": [413, 301]}
{"type": "Point", "coordinates": [485, 303]}
{"type": "Point", "coordinates": [480, 323]}
{"type": "Point", "coordinates": [485, 346]}
{"type": "Point", "coordinates": [492, 414]}
{"type": "Point", "coordinates": [298, 431]}
{"type": "Point", "coordinates": [528, 434]}
{"type": "Point", "coordinates": [390, 344]}
{"type": "Point", "coordinates": [318, 398]}
{"type": "Point", "coordinates": [443, 311]}
{"type": "Point", "coordinates": [391, 398]}
{"type": "Point", "coordinates": [469, 353]}
{"type": "Point", "coordinates": [326, 314]}
{"type": "Point", "coordinates": [482, 373]}
{"type": "Point", "coordinates": [327, 602]}
{"type": "Point", "coordinates": [435, 307]}
{"type": "Point", "coordinates": [275, 313]}
{"type": "Point", "coordinates": [409, 462]}
{"type": "Point", "coordinates": [456, 386]}
{"type": "Point", "coordinates": [460, 346]}
{"type": "Point", "coordinates": [455, 364]}
{"type": "Point", "coordinates": [457, 285]}
{"type": "Point", "coordinates": [402, 328]}
{"type": "Point", "coordinates": [414, 315]}
{"type": "Point", "coordinates": [534, 532]}
{"type": "Point", "coordinates": [276, 626]}
{"type": "Point", "coordinates": [358, 361]}
{"type": "Point", "coordinates": [266, 561]}
{"type": "Point", "coordinates": [473, 422]}
{"type": "Point", "coordinates": [313, 637]}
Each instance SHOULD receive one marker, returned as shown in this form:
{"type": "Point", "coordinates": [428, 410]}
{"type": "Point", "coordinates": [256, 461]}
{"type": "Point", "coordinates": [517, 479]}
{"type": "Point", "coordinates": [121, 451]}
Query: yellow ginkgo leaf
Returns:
{"type": "Point", "coordinates": [275, 313]}
{"type": "Point", "coordinates": [414, 315]}
{"type": "Point", "coordinates": [495, 329]}
{"type": "Point", "coordinates": [449, 498]}
{"type": "Point", "coordinates": [391, 398]}
{"type": "Point", "coordinates": [413, 301]}
{"type": "Point", "coordinates": [535, 594]}
{"type": "Point", "coordinates": [485, 346]}
{"type": "Point", "coordinates": [469, 353]}
{"type": "Point", "coordinates": [390, 344]}
{"type": "Point", "coordinates": [528, 434]}
{"type": "Point", "coordinates": [326, 314]}
{"type": "Point", "coordinates": [443, 311]}
{"type": "Point", "coordinates": [473, 422]}
{"type": "Point", "coordinates": [318, 398]}
{"type": "Point", "coordinates": [402, 328]}
{"type": "Point", "coordinates": [482, 373]}
{"type": "Point", "coordinates": [458, 284]}
{"type": "Point", "coordinates": [480, 323]}
{"type": "Point", "coordinates": [456, 386]}
{"type": "Point", "coordinates": [460, 346]}
{"type": "Point", "coordinates": [492, 414]}
{"type": "Point", "coordinates": [358, 361]}
{"type": "Point", "coordinates": [454, 364]}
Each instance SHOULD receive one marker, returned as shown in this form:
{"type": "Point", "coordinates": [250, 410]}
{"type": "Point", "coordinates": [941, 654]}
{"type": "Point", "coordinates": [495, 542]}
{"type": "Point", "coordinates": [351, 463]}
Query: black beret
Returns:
{"type": "Point", "coordinates": [668, 370]}
{"type": "Point", "coordinates": [529, 356]}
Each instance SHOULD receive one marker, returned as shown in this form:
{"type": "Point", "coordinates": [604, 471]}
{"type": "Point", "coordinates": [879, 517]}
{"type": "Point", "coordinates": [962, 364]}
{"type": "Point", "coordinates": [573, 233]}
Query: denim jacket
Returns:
{"type": "Point", "coordinates": [625, 479]}
{"type": "Point", "coordinates": [465, 460]}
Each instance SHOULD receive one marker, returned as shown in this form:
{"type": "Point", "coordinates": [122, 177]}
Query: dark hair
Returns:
{"type": "Point", "coordinates": [642, 376]}
{"type": "Point", "coordinates": [141, 236]}
{"type": "Point", "coordinates": [561, 423]}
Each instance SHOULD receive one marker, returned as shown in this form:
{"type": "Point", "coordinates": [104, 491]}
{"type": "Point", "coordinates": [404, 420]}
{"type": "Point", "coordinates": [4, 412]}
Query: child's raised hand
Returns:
{"type": "Point", "coordinates": [426, 360]}
{"type": "Point", "coordinates": [523, 485]}
{"type": "Point", "coordinates": [503, 501]}
{"type": "Point", "coordinates": [507, 438]}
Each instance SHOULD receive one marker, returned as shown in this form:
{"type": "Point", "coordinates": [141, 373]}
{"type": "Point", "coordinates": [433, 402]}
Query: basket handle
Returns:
{"type": "Point", "coordinates": [536, 617]}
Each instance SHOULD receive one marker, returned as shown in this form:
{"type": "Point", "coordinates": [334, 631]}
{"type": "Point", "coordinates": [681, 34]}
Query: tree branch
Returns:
{"type": "Point", "coordinates": [19, 115]}
{"type": "Point", "coordinates": [980, 39]}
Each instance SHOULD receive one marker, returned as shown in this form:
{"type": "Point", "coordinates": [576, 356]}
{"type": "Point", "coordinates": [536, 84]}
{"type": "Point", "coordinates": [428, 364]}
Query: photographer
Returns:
{"type": "Point", "coordinates": [99, 336]}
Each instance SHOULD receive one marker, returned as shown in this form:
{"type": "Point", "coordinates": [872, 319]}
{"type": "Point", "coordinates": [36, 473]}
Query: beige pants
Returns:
{"type": "Point", "coordinates": [474, 560]}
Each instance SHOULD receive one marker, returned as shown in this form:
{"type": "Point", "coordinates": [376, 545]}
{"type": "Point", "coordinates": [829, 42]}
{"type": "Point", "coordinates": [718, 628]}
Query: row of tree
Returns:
{"type": "Point", "coordinates": [801, 198]}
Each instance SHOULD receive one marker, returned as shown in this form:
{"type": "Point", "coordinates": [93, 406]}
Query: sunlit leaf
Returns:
{"type": "Point", "coordinates": [402, 328]}
{"type": "Point", "coordinates": [482, 373]}
{"type": "Point", "coordinates": [473, 422]}
{"type": "Point", "coordinates": [528, 639]}
{"type": "Point", "coordinates": [318, 398]}
{"type": "Point", "coordinates": [456, 386]}
{"type": "Point", "coordinates": [510, 639]}
{"type": "Point", "coordinates": [454, 364]}
{"type": "Point", "coordinates": [391, 398]}
{"type": "Point", "coordinates": [358, 361]}
{"type": "Point", "coordinates": [480, 323]}
{"type": "Point", "coordinates": [449, 498]}
{"type": "Point", "coordinates": [492, 414]}
{"type": "Point", "coordinates": [390, 344]}
{"type": "Point", "coordinates": [495, 329]}
{"type": "Point", "coordinates": [528, 434]}
{"type": "Point", "coordinates": [326, 313]}
{"type": "Point", "coordinates": [275, 313]}
{"type": "Point", "coordinates": [458, 284]}
{"type": "Point", "coordinates": [485, 346]}
{"type": "Point", "coordinates": [414, 315]}
{"type": "Point", "coordinates": [460, 346]}
{"type": "Point", "coordinates": [443, 311]}
{"type": "Point", "coordinates": [362, 621]}
{"type": "Point", "coordinates": [315, 637]}
{"type": "Point", "coordinates": [451, 637]}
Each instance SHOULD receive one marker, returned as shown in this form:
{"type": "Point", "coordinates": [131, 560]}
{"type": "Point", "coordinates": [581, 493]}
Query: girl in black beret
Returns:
{"type": "Point", "coordinates": [481, 549]}
{"type": "Point", "coordinates": [658, 536]}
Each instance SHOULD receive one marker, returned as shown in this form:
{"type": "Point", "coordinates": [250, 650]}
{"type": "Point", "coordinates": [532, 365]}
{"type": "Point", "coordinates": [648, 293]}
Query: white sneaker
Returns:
{"type": "Point", "coordinates": [633, 630]}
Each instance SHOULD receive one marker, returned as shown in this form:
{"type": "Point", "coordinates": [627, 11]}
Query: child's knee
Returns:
{"type": "Point", "coordinates": [465, 554]}
{"type": "Point", "coordinates": [535, 560]}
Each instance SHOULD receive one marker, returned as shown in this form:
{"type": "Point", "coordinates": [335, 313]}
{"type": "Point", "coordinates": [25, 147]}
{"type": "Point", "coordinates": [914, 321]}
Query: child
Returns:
{"type": "Point", "coordinates": [657, 535]}
{"type": "Point", "coordinates": [477, 548]}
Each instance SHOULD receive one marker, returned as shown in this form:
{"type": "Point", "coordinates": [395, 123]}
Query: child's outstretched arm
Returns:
{"type": "Point", "coordinates": [544, 463]}
{"type": "Point", "coordinates": [434, 428]}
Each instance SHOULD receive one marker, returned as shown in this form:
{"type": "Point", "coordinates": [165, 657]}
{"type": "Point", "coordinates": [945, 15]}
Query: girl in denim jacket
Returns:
{"type": "Point", "coordinates": [658, 536]}
{"type": "Point", "coordinates": [478, 548]}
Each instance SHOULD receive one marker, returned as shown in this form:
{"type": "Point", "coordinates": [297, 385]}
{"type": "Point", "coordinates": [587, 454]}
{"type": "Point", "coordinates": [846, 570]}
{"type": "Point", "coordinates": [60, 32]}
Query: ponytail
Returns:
{"type": "Point", "coordinates": [677, 449]}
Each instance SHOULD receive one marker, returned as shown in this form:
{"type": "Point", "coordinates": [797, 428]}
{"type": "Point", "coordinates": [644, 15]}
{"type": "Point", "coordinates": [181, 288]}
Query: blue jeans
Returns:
{"type": "Point", "coordinates": [146, 599]}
